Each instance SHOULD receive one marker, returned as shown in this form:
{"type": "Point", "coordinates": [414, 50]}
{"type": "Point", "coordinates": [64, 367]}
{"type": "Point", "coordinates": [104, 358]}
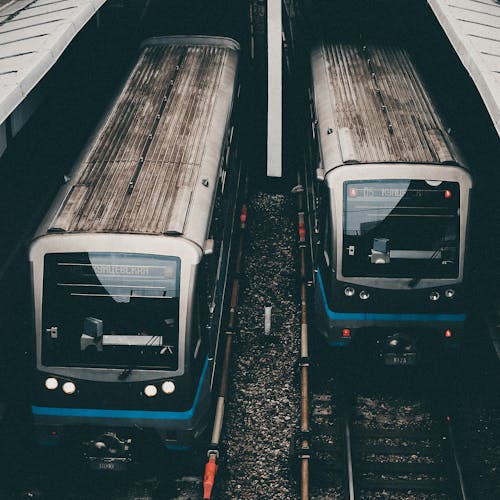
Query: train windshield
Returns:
{"type": "Point", "coordinates": [111, 310]}
{"type": "Point", "coordinates": [401, 228]}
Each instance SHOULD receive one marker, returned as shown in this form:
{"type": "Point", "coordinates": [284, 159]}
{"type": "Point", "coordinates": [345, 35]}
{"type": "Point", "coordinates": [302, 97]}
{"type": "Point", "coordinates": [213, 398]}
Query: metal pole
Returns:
{"type": "Point", "coordinates": [274, 89]}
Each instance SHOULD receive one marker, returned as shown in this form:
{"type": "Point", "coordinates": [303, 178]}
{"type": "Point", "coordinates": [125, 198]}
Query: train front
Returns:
{"type": "Point", "coordinates": [394, 254]}
{"type": "Point", "coordinates": [116, 355]}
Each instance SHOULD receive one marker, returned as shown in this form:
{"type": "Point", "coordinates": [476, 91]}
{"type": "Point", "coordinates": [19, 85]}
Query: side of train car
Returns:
{"type": "Point", "coordinates": [129, 266]}
{"type": "Point", "coordinates": [388, 198]}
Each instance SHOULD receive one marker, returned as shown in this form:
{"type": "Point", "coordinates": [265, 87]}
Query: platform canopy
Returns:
{"type": "Point", "coordinates": [473, 28]}
{"type": "Point", "coordinates": [33, 34]}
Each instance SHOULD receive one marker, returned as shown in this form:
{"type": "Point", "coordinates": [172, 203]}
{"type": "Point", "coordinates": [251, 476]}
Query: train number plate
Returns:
{"type": "Point", "coordinates": [400, 359]}
{"type": "Point", "coordinates": [108, 466]}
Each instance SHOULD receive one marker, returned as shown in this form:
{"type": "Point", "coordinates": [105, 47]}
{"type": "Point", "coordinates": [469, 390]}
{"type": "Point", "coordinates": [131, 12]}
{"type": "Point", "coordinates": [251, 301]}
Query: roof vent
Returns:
{"type": "Point", "coordinates": [347, 146]}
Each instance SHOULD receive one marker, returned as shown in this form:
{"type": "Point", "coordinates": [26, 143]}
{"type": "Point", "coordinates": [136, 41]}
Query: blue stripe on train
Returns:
{"type": "Point", "coordinates": [385, 317]}
{"type": "Point", "coordinates": [133, 414]}
{"type": "Point", "coordinates": [177, 447]}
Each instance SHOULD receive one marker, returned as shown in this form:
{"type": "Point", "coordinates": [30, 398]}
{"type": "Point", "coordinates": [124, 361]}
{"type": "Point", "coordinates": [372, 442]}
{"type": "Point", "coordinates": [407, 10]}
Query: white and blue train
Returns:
{"type": "Point", "coordinates": [388, 203]}
{"type": "Point", "coordinates": [130, 265]}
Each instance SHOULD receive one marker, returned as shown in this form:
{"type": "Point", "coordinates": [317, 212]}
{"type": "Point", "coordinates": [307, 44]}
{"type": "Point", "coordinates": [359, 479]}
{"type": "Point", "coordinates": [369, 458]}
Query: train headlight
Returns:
{"type": "Point", "coordinates": [434, 295]}
{"type": "Point", "coordinates": [168, 387]}
{"type": "Point", "coordinates": [450, 293]}
{"type": "Point", "coordinates": [69, 388]}
{"type": "Point", "coordinates": [51, 383]}
{"type": "Point", "coordinates": [150, 391]}
{"type": "Point", "coordinates": [363, 295]}
{"type": "Point", "coordinates": [349, 291]}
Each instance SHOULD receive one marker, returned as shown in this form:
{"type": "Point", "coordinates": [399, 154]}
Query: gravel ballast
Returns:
{"type": "Point", "coordinates": [262, 411]}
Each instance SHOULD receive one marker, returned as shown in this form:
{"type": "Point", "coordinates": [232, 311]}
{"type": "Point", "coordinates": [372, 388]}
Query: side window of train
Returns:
{"type": "Point", "coordinates": [210, 266]}
{"type": "Point", "coordinates": [203, 303]}
{"type": "Point", "coordinates": [313, 143]}
{"type": "Point", "coordinates": [200, 321]}
{"type": "Point", "coordinates": [216, 232]}
{"type": "Point", "coordinates": [319, 186]}
{"type": "Point", "coordinates": [229, 156]}
{"type": "Point", "coordinates": [325, 231]}
{"type": "Point", "coordinates": [213, 264]}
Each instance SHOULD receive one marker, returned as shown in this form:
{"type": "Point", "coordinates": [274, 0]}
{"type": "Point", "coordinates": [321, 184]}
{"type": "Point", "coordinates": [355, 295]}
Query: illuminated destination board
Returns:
{"type": "Point", "coordinates": [120, 274]}
{"type": "Point", "coordinates": [417, 190]}
{"type": "Point", "coordinates": [371, 192]}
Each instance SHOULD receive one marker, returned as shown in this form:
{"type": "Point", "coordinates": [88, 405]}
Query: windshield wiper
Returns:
{"type": "Point", "coordinates": [416, 279]}
{"type": "Point", "coordinates": [124, 374]}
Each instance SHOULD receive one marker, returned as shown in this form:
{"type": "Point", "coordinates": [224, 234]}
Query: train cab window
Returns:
{"type": "Point", "coordinates": [111, 310]}
{"type": "Point", "coordinates": [401, 228]}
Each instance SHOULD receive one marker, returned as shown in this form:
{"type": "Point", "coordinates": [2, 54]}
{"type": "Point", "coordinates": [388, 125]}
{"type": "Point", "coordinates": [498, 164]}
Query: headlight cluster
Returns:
{"type": "Point", "coordinates": [449, 293]}
{"type": "Point", "coordinates": [68, 387]}
{"type": "Point", "coordinates": [349, 291]}
{"type": "Point", "coordinates": [168, 387]}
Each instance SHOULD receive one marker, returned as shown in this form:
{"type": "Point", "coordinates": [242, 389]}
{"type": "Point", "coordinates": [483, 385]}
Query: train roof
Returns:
{"type": "Point", "coordinates": [153, 166]}
{"type": "Point", "coordinates": [372, 107]}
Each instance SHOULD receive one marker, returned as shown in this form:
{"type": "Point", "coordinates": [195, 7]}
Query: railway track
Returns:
{"type": "Point", "coordinates": [368, 444]}
{"type": "Point", "coordinates": [374, 445]}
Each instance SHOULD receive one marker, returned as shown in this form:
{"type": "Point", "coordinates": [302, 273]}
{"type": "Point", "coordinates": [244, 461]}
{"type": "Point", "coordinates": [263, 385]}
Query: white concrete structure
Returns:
{"type": "Point", "coordinates": [473, 28]}
{"type": "Point", "coordinates": [274, 89]}
{"type": "Point", "coordinates": [33, 35]}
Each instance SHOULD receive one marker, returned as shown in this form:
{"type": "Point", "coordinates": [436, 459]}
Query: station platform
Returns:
{"type": "Point", "coordinates": [33, 35]}
{"type": "Point", "coordinates": [473, 28]}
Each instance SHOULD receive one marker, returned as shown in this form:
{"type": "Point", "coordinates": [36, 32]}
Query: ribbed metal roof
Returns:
{"type": "Point", "coordinates": [372, 107]}
{"type": "Point", "coordinates": [141, 171]}
{"type": "Point", "coordinates": [473, 28]}
{"type": "Point", "coordinates": [33, 34]}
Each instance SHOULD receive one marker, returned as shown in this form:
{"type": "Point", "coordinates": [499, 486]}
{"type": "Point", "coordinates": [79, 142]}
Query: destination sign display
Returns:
{"type": "Point", "coordinates": [121, 274]}
{"type": "Point", "coordinates": [166, 271]}
{"type": "Point", "coordinates": [380, 192]}
{"type": "Point", "coordinates": [417, 190]}
{"type": "Point", "coordinates": [121, 270]}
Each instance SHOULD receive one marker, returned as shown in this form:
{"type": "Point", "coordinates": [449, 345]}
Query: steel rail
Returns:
{"type": "Point", "coordinates": [304, 451]}
{"type": "Point", "coordinates": [350, 491]}
{"type": "Point", "coordinates": [460, 490]}
{"type": "Point", "coordinates": [454, 478]}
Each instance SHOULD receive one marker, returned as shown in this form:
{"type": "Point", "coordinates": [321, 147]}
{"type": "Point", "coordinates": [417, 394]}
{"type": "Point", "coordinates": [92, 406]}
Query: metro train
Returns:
{"type": "Point", "coordinates": [388, 198]}
{"type": "Point", "coordinates": [130, 265]}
